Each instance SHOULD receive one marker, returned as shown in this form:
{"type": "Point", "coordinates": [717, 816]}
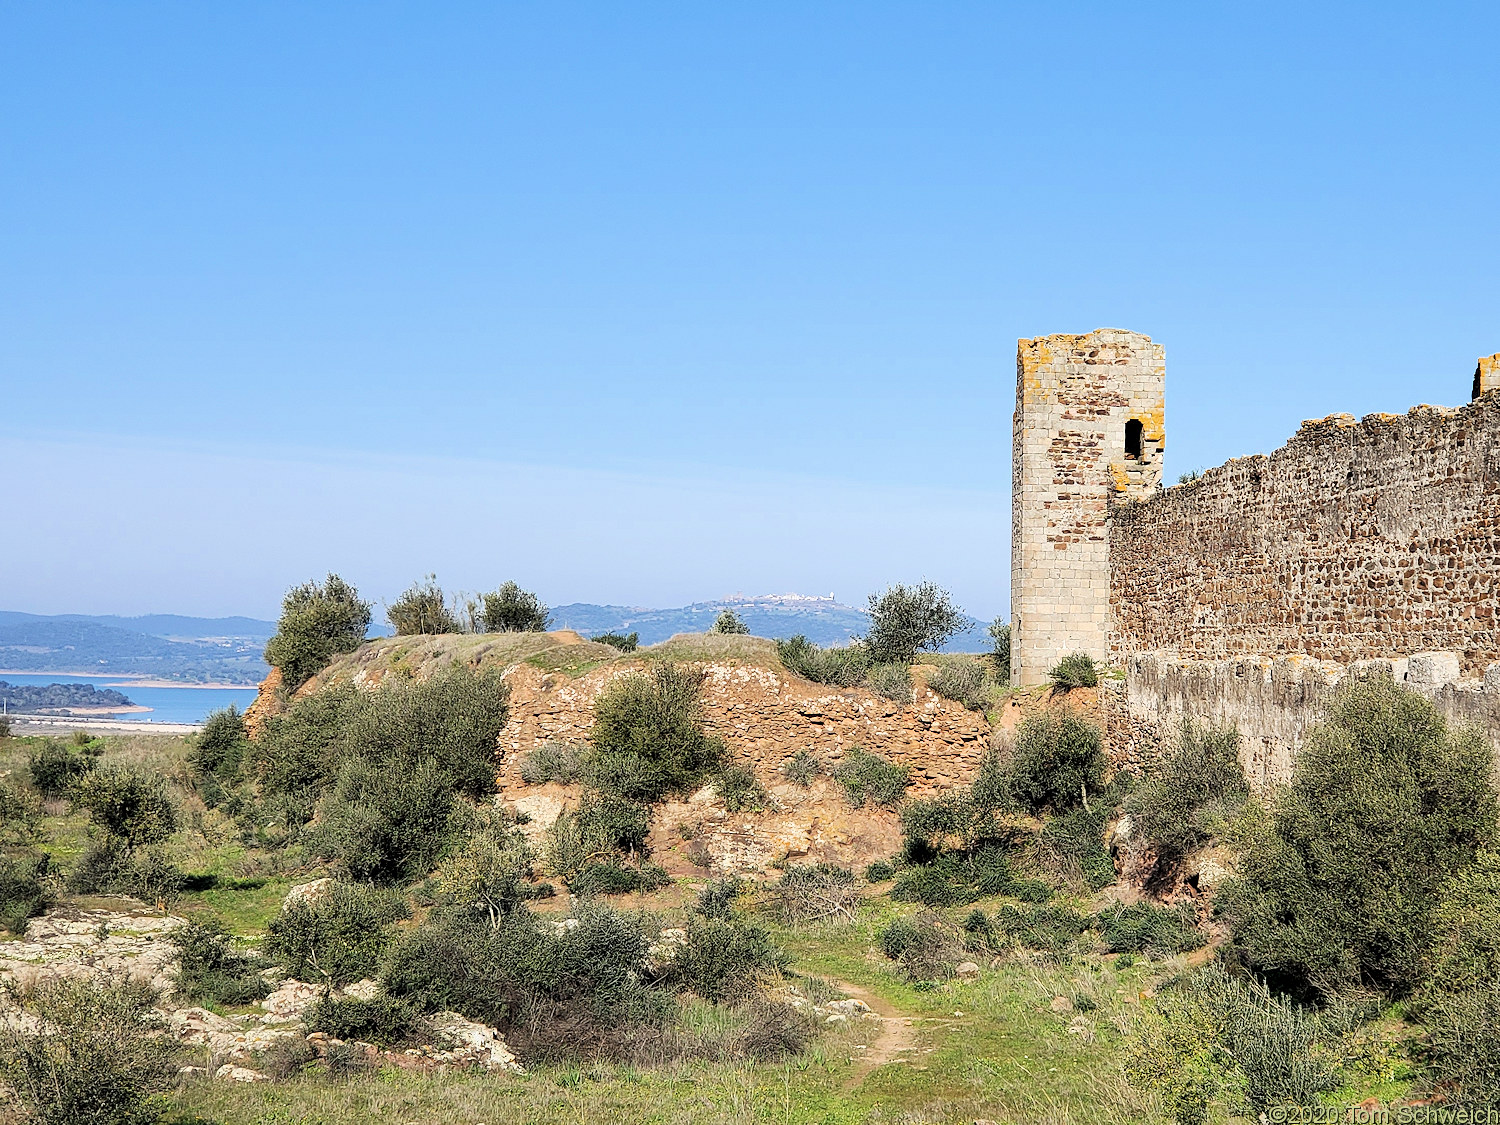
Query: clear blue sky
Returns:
{"type": "Point", "coordinates": [649, 303]}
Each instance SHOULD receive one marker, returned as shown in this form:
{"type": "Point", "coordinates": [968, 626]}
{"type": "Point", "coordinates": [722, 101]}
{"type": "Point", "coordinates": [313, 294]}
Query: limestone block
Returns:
{"type": "Point", "coordinates": [1432, 669]}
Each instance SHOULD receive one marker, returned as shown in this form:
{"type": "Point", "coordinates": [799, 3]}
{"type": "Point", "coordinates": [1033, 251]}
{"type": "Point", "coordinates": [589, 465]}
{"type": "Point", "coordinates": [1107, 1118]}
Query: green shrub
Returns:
{"type": "Point", "coordinates": [725, 959]}
{"type": "Point", "coordinates": [511, 609]}
{"type": "Point", "coordinates": [802, 769]}
{"type": "Point", "coordinates": [56, 767]}
{"type": "Point", "coordinates": [625, 642]}
{"type": "Point", "coordinates": [338, 935]}
{"type": "Point", "coordinates": [868, 778]}
{"type": "Point", "coordinates": [25, 888]}
{"type": "Point", "coordinates": [730, 623]}
{"type": "Point", "coordinates": [299, 751]}
{"type": "Point", "coordinates": [774, 1032]}
{"type": "Point", "coordinates": [1053, 929]}
{"type": "Point", "coordinates": [1191, 793]}
{"type": "Point", "coordinates": [880, 871]}
{"type": "Point", "coordinates": [816, 893]}
{"type": "Point", "coordinates": [1386, 804]}
{"type": "Point", "coordinates": [906, 620]}
{"type": "Point", "coordinates": [739, 789]}
{"type": "Point", "coordinates": [587, 843]}
{"type": "Point", "coordinates": [612, 875]}
{"type": "Point", "coordinates": [130, 806]}
{"type": "Point", "coordinates": [890, 681]}
{"type": "Point", "coordinates": [648, 729]}
{"type": "Point", "coordinates": [1464, 953]}
{"type": "Point", "coordinates": [562, 762]}
{"type": "Point", "coordinates": [1144, 927]}
{"type": "Point", "coordinates": [1075, 670]}
{"type": "Point", "coordinates": [453, 718]}
{"type": "Point", "coordinates": [4, 726]}
{"type": "Point", "coordinates": [422, 609]}
{"type": "Point", "coordinates": [211, 970]}
{"type": "Point", "coordinates": [1463, 1046]}
{"type": "Point", "coordinates": [96, 1057]}
{"type": "Point", "coordinates": [954, 878]}
{"type": "Point", "coordinates": [490, 871]}
{"type": "Point", "coordinates": [386, 1021]}
{"type": "Point", "coordinates": [717, 899]}
{"type": "Point", "coordinates": [1057, 758]}
{"type": "Point", "coordinates": [318, 622]}
{"type": "Point", "coordinates": [386, 823]}
{"type": "Point", "coordinates": [840, 667]}
{"type": "Point", "coordinates": [999, 633]}
{"type": "Point", "coordinates": [1075, 840]}
{"type": "Point", "coordinates": [923, 946]}
{"type": "Point", "coordinates": [964, 682]}
{"type": "Point", "coordinates": [220, 746]}
{"type": "Point", "coordinates": [20, 814]}
{"type": "Point", "coordinates": [1212, 1041]}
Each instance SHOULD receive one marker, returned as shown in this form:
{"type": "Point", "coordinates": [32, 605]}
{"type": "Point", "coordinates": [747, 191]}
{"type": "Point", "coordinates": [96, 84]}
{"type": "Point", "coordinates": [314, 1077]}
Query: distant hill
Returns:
{"type": "Point", "coordinates": [228, 649]}
{"type": "Point", "coordinates": [190, 649]}
{"type": "Point", "coordinates": [822, 620]}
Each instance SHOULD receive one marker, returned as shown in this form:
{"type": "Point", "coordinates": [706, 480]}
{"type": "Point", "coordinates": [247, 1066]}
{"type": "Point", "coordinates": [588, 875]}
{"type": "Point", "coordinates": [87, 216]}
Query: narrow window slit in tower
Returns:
{"type": "Point", "coordinates": [1133, 430]}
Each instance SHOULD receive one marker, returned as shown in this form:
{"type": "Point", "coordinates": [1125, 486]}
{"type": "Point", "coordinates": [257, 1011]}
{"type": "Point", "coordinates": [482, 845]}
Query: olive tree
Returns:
{"type": "Point", "coordinates": [318, 621]}
{"type": "Point", "coordinates": [906, 620]}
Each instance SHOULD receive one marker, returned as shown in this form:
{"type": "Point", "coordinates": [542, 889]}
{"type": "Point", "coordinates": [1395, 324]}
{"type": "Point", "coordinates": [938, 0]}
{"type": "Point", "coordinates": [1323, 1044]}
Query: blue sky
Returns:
{"type": "Point", "coordinates": [652, 303]}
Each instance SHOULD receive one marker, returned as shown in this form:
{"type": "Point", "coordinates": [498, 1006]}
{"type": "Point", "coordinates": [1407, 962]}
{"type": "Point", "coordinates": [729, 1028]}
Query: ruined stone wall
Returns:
{"type": "Point", "coordinates": [1356, 540]}
{"type": "Point", "coordinates": [1274, 702]}
{"type": "Point", "coordinates": [1079, 400]}
{"type": "Point", "coordinates": [766, 716]}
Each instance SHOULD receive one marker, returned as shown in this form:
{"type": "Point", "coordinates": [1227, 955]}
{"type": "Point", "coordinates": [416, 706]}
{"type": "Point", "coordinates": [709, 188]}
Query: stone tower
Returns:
{"type": "Point", "coordinates": [1089, 432]}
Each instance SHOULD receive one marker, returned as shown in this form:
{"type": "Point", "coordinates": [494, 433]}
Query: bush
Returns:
{"type": "Point", "coordinates": [4, 726]}
{"type": "Point", "coordinates": [1145, 928]}
{"type": "Point", "coordinates": [964, 682]}
{"type": "Point", "coordinates": [613, 876]}
{"type": "Point", "coordinates": [131, 807]}
{"type": "Point", "coordinates": [725, 958]}
{"type": "Point", "coordinates": [385, 823]}
{"type": "Point", "coordinates": [299, 752]}
{"type": "Point", "coordinates": [841, 667]}
{"type": "Point", "coordinates": [490, 871]}
{"type": "Point", "coordinates": [220, 745]}
{"type": "Point", "coordinates": [338, 936]}
{"type": "Point", "coordinates": [386, 1021]}
{"type": "Point", "coordinates": [318, 622]}
{"type": "Point", "coordinates": [1192, 792]}
{"type": "Point", "coordinates": [923, 946]}
{"type": "Point", "coordinates": [802, 769]}
{"type": "Point", "coordinates": [562, 762]}
{"type": "Point", "coordinates": [212, 971]}
{"type": "Point", "coordinates": [25, 889]}
{"type": "Point", "coordinates": [954, 878]}
{"type": "Point", "coordinates": [648, 730]}
{"type": "Point", "coordinates": [56, 767]}
{"type": "Point", "coordinates": [1386, 804]}
{"type": "Point", "coordinates": [1465, 950]}
{"type": "Point", "coordinates": [890, 681]}
{"type": "Point", "coordinates": [774, 1032]}
{"type": "Point", "coordinates": [625, 642]}
{"type": "Point", "coordinates": [422, 609]}
{"type": "Point", "coordinates": [869, 778]}
{"type": "Point", "coordinates": [594, 835]}
{"type": "Point", "coordinates": [511, 609]}
{"type": "Point", "coordinates": [907, 620]}
{"type": "Point", "coordinates": [816, 893]}
{"type": "Point", "coordinates": [880, 871]}
{"type": "Point", "coordinates": [739, 789]}
{"type": "Point", "coordinates": [1463, 1046]}
{"type": "Point", "coordinates": [999, 633]}
{"type": "Point", "coordinates": [729, 622]}
{"type": "Point", "coordinates": [1051, 929]}
{"type": "Point", "coordinates": [95, 1058]}
{"type": "Point", "coordinates": [1075, 840]}
{"type": "Point", "coordinates": [453, 718]}
{"type": "Point", "coordinates": [1075, 670]}
{"type": "Point", "coordinates": [1211, 1040]}
{"type": "Point", "coordinates": [717, 899]}
{"type": "Point", "coordinates": [1058, 757]}
{"type": "Point", "coordinates": [20, 814]}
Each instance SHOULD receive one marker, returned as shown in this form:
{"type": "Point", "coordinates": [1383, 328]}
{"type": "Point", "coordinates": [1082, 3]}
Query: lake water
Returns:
{"type": "Point", "coordinates": [168, 704]}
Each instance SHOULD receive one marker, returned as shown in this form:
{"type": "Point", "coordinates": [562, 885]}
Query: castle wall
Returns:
{"type": "Point", "coordinates": [1075, 398]}
{"type": "Point", "coordinates": [1273, 702]}
{"type": "Point", "coordinates": [1356, 540]}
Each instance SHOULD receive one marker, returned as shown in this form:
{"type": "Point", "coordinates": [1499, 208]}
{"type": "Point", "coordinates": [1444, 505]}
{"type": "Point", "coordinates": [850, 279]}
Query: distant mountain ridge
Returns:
{"type": "Point", "coordinates": [229, 649]}
{"type": "Point", "coordinates": [821, 620]}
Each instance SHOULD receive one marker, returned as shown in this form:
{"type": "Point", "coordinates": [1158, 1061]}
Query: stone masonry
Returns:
{"type": "Point", "coordinates": [1089, 432]}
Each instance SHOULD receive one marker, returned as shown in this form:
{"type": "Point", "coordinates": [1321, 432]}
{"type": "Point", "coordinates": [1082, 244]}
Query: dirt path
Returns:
{"type": "Point", "coordinates": [897, 1035]}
